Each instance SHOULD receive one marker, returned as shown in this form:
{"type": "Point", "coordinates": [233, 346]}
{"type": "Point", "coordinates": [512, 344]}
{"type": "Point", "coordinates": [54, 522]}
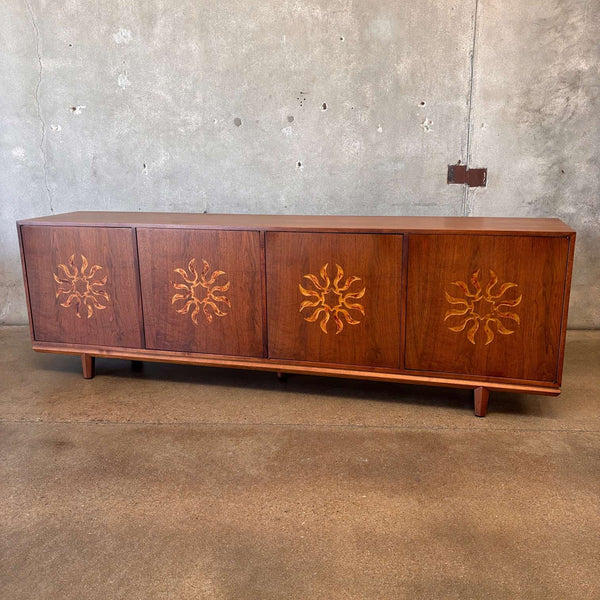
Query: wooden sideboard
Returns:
{"type": "Point", "coordinates": [476, 303]}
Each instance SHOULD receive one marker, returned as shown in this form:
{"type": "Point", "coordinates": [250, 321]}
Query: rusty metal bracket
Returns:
{"type": "Point", "coordinates": [471, 177]}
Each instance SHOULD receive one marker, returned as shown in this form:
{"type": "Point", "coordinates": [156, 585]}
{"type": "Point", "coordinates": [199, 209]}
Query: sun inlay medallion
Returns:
{"type": "Point", "coordinates": [80, 287]}
{"type": "Point", "coordinates": [200, 292]}
{"type": "Point", "coordinates": [483, 306]}
{"type": "Point", "coordinates": [332, 299]}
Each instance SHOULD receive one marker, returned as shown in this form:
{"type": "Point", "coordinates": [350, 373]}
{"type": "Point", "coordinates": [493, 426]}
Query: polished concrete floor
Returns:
{"type": "Point", "coordinates": [187, 482]}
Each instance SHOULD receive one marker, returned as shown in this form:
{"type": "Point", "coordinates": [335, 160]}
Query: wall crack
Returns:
{"type": "Point", "coordinates": [36, 96]}
{"type": "Point", "coordinates": [466, 208]}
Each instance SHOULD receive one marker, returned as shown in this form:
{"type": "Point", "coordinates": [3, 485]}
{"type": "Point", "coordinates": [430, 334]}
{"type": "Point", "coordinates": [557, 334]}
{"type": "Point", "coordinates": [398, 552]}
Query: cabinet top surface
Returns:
{"type": "Point", "coordinates": [307, 222]}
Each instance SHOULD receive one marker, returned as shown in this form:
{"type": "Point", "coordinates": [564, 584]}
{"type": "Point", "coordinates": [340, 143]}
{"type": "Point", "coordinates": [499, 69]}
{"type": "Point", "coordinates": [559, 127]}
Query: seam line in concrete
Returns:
{"type": "Point", "coordinates": [292, 425]}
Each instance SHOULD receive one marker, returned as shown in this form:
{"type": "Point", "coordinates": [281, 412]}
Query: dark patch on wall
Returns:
{"type": "Point", "coordinates": [237, 121]}
{"type": "Point", "coordinates": [290, 119]}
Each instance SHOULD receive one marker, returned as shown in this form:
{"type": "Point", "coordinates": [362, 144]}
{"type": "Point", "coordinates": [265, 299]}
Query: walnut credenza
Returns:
{"type": "Point", "coordinates": [475, 303]}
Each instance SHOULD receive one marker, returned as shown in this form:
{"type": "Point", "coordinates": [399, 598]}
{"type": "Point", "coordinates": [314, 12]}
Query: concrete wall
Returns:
{"type": "Point", "coordinates": [337, 106]}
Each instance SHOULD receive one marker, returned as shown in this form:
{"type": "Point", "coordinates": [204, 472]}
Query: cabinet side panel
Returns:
{"type": "Point", "coordinates": [565, 308]}
{"type": "Point", "coordinates": [25, 282]}
{"type": "Point", "coordinates": [82, 285]}
{"type": "Point", "coordinates": [485, 305]}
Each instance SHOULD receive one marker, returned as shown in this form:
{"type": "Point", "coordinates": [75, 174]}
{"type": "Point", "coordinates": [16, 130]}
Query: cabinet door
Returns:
{"type": "Point", "coordinates": [334, 298]}
{"type": "Point", "coordinates": [83, 285]}
{"type": "Point", "coordinates": [202, 290]}
{"type": "Point", "coordinates": [485, 305]}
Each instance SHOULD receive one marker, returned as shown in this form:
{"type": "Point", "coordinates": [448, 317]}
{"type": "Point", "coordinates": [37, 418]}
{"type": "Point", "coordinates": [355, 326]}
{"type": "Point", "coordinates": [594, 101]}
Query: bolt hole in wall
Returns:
{"type": "Point", "coordinates": [301, 98]}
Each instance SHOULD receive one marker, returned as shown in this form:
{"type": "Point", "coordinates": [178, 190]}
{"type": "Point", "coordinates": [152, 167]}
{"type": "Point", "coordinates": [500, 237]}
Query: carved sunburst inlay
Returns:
{"type": "Point", "coordinates": [332, 299]}
{"type": "Point", "coordinates": [80, 287]}
{"type": "Point", "coordinates": [199, 292]}
{"type": "Point", "coordinates": [483, 306]}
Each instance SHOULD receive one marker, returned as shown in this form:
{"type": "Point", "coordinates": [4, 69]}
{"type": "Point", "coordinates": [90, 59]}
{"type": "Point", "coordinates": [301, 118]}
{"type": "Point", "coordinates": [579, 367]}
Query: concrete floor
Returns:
{"type": "Point", "coordinates": [186, 482]}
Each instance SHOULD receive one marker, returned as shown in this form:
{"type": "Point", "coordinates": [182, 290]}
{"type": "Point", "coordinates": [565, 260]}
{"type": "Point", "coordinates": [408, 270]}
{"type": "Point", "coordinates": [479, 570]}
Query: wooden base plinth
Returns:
{"type": "Point", "coordinates": [285, 368]}
{"type": "Point", "coordinates": [88, 364]}
{"type": "Point", "coordinates": [481, 401]}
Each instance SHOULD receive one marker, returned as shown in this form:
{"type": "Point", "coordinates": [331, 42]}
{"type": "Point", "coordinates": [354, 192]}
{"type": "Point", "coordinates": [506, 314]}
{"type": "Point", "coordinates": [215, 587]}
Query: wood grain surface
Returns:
{"type": "Point", "coordinates": [45, 248]}
{"type": "Point", "coordinates": [538, 265]}
{"type": "Point", "coordinates": [465, 302]}
{"type": "Point", "coordinates": [239, 331]}
{"type": "Point", "coordinates": [337, 223]}
{"type": "Point", "coordinates": [375, 259]}
{"type": "Point", "coordinates": [266, 364]}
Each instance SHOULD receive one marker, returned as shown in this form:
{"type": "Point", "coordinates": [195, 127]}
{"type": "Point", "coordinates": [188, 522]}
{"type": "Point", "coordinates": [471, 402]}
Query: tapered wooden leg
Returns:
{"type": "Point", "coordinates": [282, 376]}
{"type": "Point", "coordinates": [137, 365]}
{"type": "Point", "coordinates": [481, 401]}
{"type": "Point", "coordinates": [88, 365]}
